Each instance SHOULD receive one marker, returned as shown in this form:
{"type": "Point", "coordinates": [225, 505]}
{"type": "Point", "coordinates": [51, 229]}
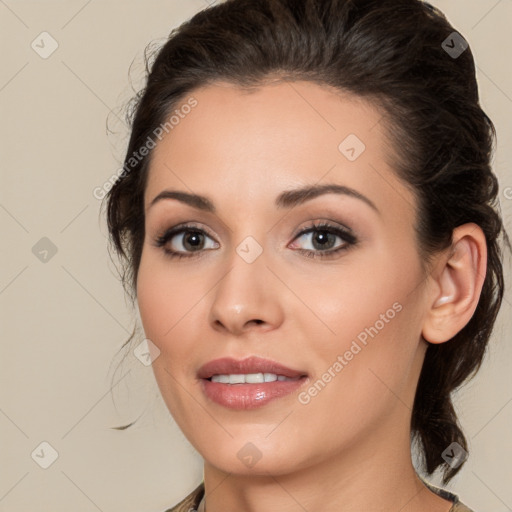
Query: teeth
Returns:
{"type": "Point", "coordinates": [249, 378]}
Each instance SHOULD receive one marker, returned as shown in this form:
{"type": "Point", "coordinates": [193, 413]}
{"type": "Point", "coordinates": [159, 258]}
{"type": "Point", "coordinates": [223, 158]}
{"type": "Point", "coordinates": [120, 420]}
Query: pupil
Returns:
{"type": "Point", "coordinates": [192, 240]}
{"type": "Point", "coordinates": [322, 237]}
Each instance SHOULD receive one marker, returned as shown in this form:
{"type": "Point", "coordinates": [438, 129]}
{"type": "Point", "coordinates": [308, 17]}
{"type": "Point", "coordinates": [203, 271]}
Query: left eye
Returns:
{"type": "Point", "coordinates": [324, 239]}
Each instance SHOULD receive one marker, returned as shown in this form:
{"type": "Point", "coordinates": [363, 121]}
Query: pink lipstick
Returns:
{"type": "Point", "coordinates": [248, 383]}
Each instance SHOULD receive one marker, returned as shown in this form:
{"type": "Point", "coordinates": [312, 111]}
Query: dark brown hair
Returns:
{"type": "Point", "coordinates": [395, 54]}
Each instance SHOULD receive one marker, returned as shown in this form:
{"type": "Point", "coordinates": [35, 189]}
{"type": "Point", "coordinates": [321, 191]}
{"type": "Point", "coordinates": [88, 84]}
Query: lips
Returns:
{"type": "Point", "coordinates": [228, 366]}
{"type": "Point", "coordinates": [244, 396]}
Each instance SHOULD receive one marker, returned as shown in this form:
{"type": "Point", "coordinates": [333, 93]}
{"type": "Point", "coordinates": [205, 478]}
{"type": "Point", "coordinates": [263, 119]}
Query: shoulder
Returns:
{"type": "Point", "coordinates": [457, 506]}
{"type": "Point", "coordinates": [191, 502]}
{"type": "Point", "coordinates": [460, 507]}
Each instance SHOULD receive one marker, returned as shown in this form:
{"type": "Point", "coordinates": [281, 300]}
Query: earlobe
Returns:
{"type": "Point", "coordinates": [458, 282]}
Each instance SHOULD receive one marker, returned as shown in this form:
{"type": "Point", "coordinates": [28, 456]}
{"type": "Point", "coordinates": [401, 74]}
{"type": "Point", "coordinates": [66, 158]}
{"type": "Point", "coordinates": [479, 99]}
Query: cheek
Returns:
{"type": "Point", "coordinates": [173, 306]}
{"type": "Point", "coordinates": [370, 315]}
{"type": "Point", "coordinates": [169, 303]}
{"type": "Point", "coordinates": [361, 294]}
{"type": "Point", "coordinates": [166, 298]}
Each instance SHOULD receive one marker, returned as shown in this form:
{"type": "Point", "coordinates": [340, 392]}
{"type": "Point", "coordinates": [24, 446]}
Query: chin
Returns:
{"type": "Point", "coordinates": [259, 457]}
{"type": "Point", "coordinates": [263, 467]}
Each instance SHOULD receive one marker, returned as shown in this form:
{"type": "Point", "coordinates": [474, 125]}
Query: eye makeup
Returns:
{"type": "Point", "coordinates": [193, 236]}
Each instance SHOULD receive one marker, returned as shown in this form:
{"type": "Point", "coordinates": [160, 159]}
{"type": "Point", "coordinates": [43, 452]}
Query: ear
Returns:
{"type": "Point", "coordinates": [456, 284]}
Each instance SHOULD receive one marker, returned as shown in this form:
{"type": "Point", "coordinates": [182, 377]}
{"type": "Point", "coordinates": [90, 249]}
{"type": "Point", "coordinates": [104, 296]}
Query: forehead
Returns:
{"type": "Point", "coordinates": [273, 138]}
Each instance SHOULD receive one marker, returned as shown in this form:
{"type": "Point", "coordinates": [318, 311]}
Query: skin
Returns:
{"type": "Point", "coordinates": [350, 444]}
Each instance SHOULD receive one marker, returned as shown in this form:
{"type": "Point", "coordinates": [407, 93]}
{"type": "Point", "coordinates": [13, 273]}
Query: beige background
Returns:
{"type": "Point", "coordinates": [63, 320]}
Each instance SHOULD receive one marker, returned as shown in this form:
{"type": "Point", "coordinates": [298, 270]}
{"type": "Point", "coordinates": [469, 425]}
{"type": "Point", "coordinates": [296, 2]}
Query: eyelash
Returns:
{"type": "Point", "coordinates": [349, 239]}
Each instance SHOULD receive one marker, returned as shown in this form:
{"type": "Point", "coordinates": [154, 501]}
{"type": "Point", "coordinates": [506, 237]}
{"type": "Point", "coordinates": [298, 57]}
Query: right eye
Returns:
{"type": "Point", "coordinates": [182, 241]}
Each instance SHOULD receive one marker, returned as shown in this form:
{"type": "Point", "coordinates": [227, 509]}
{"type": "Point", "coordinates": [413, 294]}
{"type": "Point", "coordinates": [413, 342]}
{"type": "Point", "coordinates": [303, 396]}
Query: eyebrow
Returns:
{"type": "Point", "coordinates": [287, 199]}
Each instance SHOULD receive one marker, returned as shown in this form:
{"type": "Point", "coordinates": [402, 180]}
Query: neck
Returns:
{"type": "Point", "coordinates": [376, 474]}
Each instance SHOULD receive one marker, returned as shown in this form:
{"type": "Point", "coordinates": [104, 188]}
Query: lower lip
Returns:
{"type": "Point", "coordinates": [249, 396]}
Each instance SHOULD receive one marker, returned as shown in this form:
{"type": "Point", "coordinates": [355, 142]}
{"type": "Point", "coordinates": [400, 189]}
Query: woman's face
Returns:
{"type": "Point", "coordinates": [342, 304]}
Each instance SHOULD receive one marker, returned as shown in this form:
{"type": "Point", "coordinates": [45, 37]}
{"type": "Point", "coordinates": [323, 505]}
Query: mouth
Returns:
{"type": "Point", "coordinates": [252, 369]}
{"type": "Point", "coordinates": [250, 378]}
{"type": "Point", "coordinates": [248, 383]}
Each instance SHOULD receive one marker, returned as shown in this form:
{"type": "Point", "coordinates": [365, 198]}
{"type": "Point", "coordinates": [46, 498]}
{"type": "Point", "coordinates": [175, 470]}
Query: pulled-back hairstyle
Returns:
{"type": "Point", "coordinates": [394, 53]}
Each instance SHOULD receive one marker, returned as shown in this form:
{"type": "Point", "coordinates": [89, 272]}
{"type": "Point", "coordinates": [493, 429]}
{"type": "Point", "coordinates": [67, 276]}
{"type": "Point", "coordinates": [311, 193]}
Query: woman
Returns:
{"type": "Point", "coordinates": [307, 216]}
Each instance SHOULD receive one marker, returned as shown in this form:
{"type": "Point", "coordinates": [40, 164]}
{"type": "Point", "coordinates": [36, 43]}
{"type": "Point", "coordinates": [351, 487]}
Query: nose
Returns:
{"type": "Point", "coordinates": [247, 297]}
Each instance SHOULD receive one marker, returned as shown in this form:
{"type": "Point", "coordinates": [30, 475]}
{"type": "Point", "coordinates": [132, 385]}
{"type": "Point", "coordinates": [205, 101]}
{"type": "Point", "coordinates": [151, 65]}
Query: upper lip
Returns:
{"type": "Point", "coordinates": [253, 364]}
